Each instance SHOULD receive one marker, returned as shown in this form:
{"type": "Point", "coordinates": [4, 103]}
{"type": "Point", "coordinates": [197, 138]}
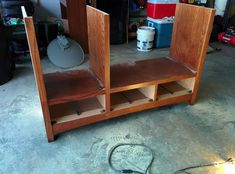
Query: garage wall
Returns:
{"type": "Point", "coordinates": [45, 8]}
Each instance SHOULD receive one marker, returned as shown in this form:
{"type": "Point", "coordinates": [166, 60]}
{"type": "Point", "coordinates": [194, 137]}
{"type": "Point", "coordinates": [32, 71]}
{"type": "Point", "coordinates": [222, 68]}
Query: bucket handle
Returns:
{"type": "Point", "coordinates": [150, 24]}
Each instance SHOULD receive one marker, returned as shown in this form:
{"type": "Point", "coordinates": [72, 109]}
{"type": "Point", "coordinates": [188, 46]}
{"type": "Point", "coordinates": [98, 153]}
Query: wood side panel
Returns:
{"type": "Point", "coordinates": [202, 61]}
{"type": "Point", "coordinates": [192, 28]}
{"type": "Point", "coordinates": [99, 47]}
{"type": "Point", "coordinates": [99, 50]}
{"type": "Point", "coordinates": [76, 14]}
{"type": "Point", "coordinates": [35, 57]}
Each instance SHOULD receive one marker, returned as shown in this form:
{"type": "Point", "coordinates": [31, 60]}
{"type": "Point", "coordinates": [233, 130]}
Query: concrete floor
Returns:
{"type": "Point", "coordinates": [180, 135]}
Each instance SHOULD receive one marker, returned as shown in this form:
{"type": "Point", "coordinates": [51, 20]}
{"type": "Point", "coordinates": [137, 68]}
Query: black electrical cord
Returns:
{"type": "Point", "coordinates": [201, 166]}
{"type": "Point", "coordinates": [129, 170]}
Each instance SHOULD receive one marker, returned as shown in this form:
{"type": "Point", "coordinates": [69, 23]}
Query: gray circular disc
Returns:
{"type": "Point", "coordinates": [65, 58]}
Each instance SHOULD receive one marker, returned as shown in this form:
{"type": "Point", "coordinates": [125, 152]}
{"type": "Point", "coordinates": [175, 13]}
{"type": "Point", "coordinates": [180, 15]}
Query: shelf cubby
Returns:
{"type": "Point", "coordinates": [61, 113]}
{"type": "Point", "coordinates": [130, 98]}
{"type": "Point", "coordinates": [175, 89]}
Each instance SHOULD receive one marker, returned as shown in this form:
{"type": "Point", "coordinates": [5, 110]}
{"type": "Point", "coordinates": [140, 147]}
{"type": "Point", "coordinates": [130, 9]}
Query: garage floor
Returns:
{"type": "Point", "coordinates": [180, 135]}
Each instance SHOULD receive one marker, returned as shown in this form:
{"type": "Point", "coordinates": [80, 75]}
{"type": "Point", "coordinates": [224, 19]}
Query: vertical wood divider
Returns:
{"type": "Point", "coordinates": [99, 48]}
{"type": "Point", "coordinates": [35, 57]}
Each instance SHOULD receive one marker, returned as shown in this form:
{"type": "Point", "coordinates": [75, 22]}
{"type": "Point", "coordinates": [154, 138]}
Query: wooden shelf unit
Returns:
{"type": "Point", "coordinates": [76, 98]}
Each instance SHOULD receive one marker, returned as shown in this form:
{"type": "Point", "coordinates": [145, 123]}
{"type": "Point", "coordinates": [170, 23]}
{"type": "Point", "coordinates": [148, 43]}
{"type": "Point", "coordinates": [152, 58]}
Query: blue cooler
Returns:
{"type": "Point", "coordinates": [164, 29]}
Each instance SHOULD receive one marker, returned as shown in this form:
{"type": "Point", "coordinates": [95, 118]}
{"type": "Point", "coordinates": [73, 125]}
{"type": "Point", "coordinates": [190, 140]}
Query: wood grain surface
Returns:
{"type": "Point", "coordinates": [35, 57]}
{"type": "Point", "coordinates": [68, 86]}
{"type": "Point", "coordinates": [99, 47]}
{"type": "Point", "coordinates": [98, 32]}
{"type": "Point", "coordinates": [76, 14]}
{"type": "Point", "coordinates": [192, 28]}
{"type": "Point", "coordinates": [146, 72]}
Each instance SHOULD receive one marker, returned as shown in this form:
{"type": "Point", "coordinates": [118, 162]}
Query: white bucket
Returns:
{"type": "Point", "coordinates": [220, 6]}
{"type": "Point", "coordinates": [145, 38]}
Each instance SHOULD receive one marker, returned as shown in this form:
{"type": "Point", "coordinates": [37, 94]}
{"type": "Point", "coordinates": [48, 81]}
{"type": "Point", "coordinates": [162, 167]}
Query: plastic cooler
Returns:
{"type": "Point", "coordinates": [158, 9]}
{"type": "Point", "coordinates": [163, 33]}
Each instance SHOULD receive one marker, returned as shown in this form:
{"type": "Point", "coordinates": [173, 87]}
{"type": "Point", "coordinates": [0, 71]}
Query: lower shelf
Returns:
{"type": "Point", "coordinates": [170, 90]}
{"type": "Point", "coordinates": [126, 99]}
{"type": "Point", "coordinates": [76, 110]}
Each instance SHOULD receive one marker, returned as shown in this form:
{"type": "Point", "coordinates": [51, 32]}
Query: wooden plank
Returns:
{"type": "Point", "coordinates": [76, 14]}
{"type": "Point", "coordinates": [98, 29]}
{"type": "Point", "coordinates": [192, 28]}
{"type": "Point", "coordinates": [35, 57]}
{"type": "Point", "coordinates": [99, 47]}
{"type": "Point", "coordinates": [68, 86]}
{"type": "Point", "coordinates": [145, 73]}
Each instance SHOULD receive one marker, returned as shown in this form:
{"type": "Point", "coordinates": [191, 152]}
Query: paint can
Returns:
{"type": "Point", "coordinates": [145, 38]}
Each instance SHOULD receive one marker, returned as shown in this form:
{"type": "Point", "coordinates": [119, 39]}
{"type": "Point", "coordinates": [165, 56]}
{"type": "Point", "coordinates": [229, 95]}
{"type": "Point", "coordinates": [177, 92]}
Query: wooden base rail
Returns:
{"type": "Point", "coordinates": [76, 98]}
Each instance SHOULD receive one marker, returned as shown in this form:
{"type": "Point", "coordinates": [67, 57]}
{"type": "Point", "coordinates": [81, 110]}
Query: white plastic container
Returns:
{"type": "Point", "coordinates": [220, 6]}
{"type": "Point", "coordinates": [145, 38]}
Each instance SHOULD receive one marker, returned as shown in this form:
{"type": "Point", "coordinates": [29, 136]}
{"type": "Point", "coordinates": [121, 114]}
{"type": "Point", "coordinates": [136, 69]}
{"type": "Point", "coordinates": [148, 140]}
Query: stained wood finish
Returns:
{"type": "Point", "coordinates": [35, 57]}
{"type": "Point", "coordinates": [192, 28]}
{"type": "Point", "coordinates": [146, 72]}
{"type": "Point", "coordinates": [75, 11]}
{"type": "Point", "coordinates": [68, 86]}
{"type": "Point", "coordinates": [144, 85]}
{"type": "Point", "coordinates": [99, 48]}
{"type": "Point", "coordinates": [98, 32]}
